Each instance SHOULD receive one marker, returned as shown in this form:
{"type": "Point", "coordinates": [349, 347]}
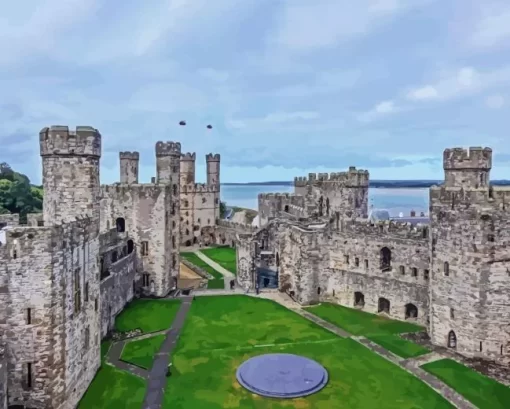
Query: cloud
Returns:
{"type": "Point", "coordinates": [491, 29]}
{"type": "Point", "coordinates": [297, 84]}
{"type": "Point", "coordinates": [495, 101]}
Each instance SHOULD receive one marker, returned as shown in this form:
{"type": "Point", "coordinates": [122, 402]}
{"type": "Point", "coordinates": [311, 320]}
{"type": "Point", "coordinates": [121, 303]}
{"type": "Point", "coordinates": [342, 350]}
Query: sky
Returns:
{"type": "Point", "coordinates": [289, 86]}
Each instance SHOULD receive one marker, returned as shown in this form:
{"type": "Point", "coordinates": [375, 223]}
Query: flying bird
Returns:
{"type": "Point", "coordinates": [209, 126]}
{"type": "Point", "coordinates": [182, 123]}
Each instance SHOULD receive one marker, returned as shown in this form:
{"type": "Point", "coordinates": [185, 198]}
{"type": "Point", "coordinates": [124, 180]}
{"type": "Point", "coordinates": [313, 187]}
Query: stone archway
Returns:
{"type": "Point", "coordinates": [359, 299]}
{"type": "Point", "coordinates": [411, 311]}
{"type": "Point", "coordinates": [384, 305]}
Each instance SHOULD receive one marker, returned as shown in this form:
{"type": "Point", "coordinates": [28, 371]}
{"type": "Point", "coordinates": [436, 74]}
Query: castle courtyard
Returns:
{"type": "Point", "coordinates": [221, 332]}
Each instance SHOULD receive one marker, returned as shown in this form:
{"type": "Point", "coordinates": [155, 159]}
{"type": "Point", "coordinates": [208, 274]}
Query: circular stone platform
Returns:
{"type": "Point", "coordinates": [282, 375]}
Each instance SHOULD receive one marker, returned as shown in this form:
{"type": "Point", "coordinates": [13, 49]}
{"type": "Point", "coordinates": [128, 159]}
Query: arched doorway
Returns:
{"type": "Point", "coordinates": [130, 246]}
{"type": "Point", "coordinates": [359, 299]}
{"type": "Point", "coordinates": [120, 224]}
{"type": "Point", "coordinates": [385, 255]}
{"type": "Point", "coordinates": [384, 305]}
{"type": "Point", "coordinates": [411, 311]}
{"type": "Point", "coordinates": [452, 340]}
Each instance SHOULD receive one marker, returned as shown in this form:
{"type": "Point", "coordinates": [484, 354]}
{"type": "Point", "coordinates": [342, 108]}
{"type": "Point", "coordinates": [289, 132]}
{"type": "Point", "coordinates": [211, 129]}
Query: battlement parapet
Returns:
{"type": "Point", "coordinates": [111, 237]}
{"type": "Point", "coordinates": [453, 195]}
{"type": "Point", "coordinates": [212, 157]}
{"type": "Point", "coordinates": [242, 228]}
{"type": "Point", "coordinates": [388, 228]}
{"type": "Point", "coordinates": [9, 219]}
{"type": "Point", "coordinates": [273, 196]}
{"type": "Point", "coordinates": [129, 155]}
{"type": "Point", "coordinates": [22, 240]}
{"type": "Point", "coordinates": [353, 177]}
{"type": "Point", "coordinates": [188, 156]}
{"type": "Point", "coordinates": [59, 140]}
{"type": "Point", "coordinates": [119, 191]}
{"type": "Point", "coordinates": [168, 149]}
{"type": "Point", "coordinates": [467, 159]}
{"type": "Point", "coordinates": [199, 188]}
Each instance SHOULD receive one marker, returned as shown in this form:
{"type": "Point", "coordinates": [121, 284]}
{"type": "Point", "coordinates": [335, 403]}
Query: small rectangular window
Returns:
{"type": "Point", "coordinates": [29, 315]}
{"type": "Point", "coordinates": [346, 260]}
{"type": "Point", "coordinates": [414, 272]}
{"type": "Point", "coordinates": [356, 262]}
{"type": "Point", "coordinates": [145, 248]}
{"type": "Point", "coordinates": [86, 292]}
{"type": "Point", "coordinates": [96, 305]}
{"type": "Point", "coordinates": [28, 374]}
{"type": "Point", "coordinates": [366, 264]}
{"type": "Point", "coordinates": [402, 270]}
{"type": "Point", "coordinates": [426, 274]}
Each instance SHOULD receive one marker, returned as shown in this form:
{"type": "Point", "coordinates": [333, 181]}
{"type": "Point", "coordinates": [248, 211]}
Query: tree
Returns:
{"type": "Point", "coordinates": [223, 210]}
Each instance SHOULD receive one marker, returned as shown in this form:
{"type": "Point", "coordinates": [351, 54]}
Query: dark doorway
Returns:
{"type": "Point", "coordinates": [411, 311]}
{"type": "Point", "coordinates": [120, 224]}
{"type": "Point", "coordinates": [359, 299]}
{"type": "Point", "coordinates": [130, 246]}
{"type": "Point", "coordinates": [384, 305]}
{"type": "Point", "coordinates": [385, 259]}
{"type": "Point", "coordinates": [286, 208]}
{"type": "Point", "coordinates": [452, 340]}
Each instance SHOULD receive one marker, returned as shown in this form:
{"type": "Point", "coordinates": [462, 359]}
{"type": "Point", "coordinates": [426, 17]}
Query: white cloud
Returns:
{"type": "Point", "coordinates": [427, 92]}
{"type": "Point", "coordinates": [381, 109]}
{"type": "Point", "coordinates": [280, 117]}
{"type": "Point", "coordinates": [495, 101]}
{"type": "Point", "coordinates": [492, 27]}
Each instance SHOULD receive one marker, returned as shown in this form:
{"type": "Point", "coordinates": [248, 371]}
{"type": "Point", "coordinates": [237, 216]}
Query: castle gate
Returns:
{"type": "Point", "coordinates": [267, 278]}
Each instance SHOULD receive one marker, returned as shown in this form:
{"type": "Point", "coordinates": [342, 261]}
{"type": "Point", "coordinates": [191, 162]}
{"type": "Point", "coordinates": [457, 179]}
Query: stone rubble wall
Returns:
{"type": "Point", "coordinates": [9, 220]}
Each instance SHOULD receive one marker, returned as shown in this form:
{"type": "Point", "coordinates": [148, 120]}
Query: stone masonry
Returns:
{"type": "Point", "coordinates": [452, 275]}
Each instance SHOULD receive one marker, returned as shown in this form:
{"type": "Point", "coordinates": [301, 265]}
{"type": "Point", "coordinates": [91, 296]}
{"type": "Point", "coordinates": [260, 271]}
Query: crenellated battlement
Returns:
{"type": "Point", "coordinates": [129, 155]}
{"type": "Point", "coordinates": [121, 191]}
{"type": "Point", "coordinates": [242, 228]}
{"type": "Point", "coordinates": [453, 195]}
{"type": "Point", "coordinates": [59, 140]}
{"type": "Point", "coordinates": [212, 157]}
{"type": "Point", "coordinates": [198, 188]}
{"type": "Point", "coordinates": [473, 158]}
{"type": "Point", "coordinates": [300, 181]}
{"type": "Point", "coordinates": [274, 196]}
{"type": "Point", "coordinates": [389, 228]}
{"type": "Point", "coordinates": [168, 148]}
{"type": "Point", "coordinates": [188, 156]}
{"type": "Point", "coordinates": [353, 177]}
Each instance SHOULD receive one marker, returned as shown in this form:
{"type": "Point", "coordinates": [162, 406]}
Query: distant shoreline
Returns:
{"type": "Point", "coordinates": [384, 184]}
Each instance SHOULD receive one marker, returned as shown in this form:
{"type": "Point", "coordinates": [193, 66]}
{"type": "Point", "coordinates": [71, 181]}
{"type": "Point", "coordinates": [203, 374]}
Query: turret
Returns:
{"type": "Point", "coordinates": [467, 168]}
{"type": "Point", "coordinates": [187, 168]}
{"type": "Point", "coordinates": [168, 156]}
{"type": "Point", "coordinates": [129, 167]}
{"type": "Point", "coordinates": [70, 161]}
{"type": "Point", "coordinates": [213, 168]}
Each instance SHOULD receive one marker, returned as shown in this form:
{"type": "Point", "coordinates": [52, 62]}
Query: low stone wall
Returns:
{"type": "Point", "coordinates": [201, 272]}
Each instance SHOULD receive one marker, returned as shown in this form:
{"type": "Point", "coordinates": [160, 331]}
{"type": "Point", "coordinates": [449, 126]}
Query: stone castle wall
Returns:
{"type": "Point", "coordinates": [9, 220]}
{"type": "Point", "coordinates": [146, 212]}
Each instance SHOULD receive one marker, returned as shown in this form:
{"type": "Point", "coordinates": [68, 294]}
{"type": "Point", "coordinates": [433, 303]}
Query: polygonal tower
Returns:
{"type": "Point", "coordinates": [469, 291]}
{"type": "Point", "coordinates": [70, 161]}
{"type": "Point", "coordinates": [129, 163]}
{"type": "Point", "coordinates": [188, 168]}
{"type": "Point", "coordinates": [168, 170]}
{"type": "Point", "coordinates": [213, 179]}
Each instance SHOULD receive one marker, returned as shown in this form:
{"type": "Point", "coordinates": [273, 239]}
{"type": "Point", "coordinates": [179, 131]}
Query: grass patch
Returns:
{"type": "Point", "coordinates": [197, 261]}
{"type": "Point", "coordinates": [141, 352]}
{"type": "Point", "coordinates": [148, 315]}
{"type": "Point", "coordinates": [217, 283]}
{"type": "Point", "coordinates": [484, 392]}
{"type": "Point", "coordinates": [113, 388]}
{"type": "Point", "coordinates": [203, 375]}
{"type": "Point", "coordinates": [379, 329]}
{"type": "Point", "coordinates": [224, 256]}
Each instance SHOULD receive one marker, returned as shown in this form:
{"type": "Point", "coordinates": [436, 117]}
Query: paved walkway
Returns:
{"type": "Point", "coordinates": [214, 265]}
{"type": "Point", "coordinates": [157, 376]}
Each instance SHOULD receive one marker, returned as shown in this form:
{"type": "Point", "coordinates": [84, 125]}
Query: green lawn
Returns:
{"type": "Point", "coordinates": [113, 388]}
{"type": "Point", "coordinates": [141, 352]}
{"type": "Point", "coordinates": [147, 315]}
{"type": "Point", "coordinates": [217, 282]}
{"type": "Point", "coordinates": [480, 390]}
{"type": "Point", "coordinates": [224, 256]}
{"type": "Point", "coordinates": [377, 328]}
{"type": "Point", "coordinates": [221, 332]}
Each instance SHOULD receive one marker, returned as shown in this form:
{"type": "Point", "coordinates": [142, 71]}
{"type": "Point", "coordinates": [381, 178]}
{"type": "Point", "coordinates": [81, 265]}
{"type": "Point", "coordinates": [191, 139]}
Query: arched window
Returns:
{"type": "Point", "coordinates": [120, 223]}
{"type": "Point", "coordinates": [452, 340]}
{"type": "Point", "coordinates": [411, 311]}
{"type": "Point", "coordinates": [186, 203]}
{"type": "Point", "coordinates": [130, 246]}
{"type": "Point", "coordinates": [446, 268]}
{"type": "Point", "coordinates": [384, 305]}
{"type": "Point", "coordinates": [114, 256]}
{"type": "Point", "coordinates": [187, 232]}
{"type": "Point", "coordinates": [385, 256]}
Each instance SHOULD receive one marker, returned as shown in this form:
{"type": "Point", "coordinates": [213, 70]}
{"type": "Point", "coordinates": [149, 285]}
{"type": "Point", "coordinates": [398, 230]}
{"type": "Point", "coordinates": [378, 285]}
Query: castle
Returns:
{"type": "Point", "coordinates": [451, 275]}
{"type": "Point", "coordinates": [70, 271]}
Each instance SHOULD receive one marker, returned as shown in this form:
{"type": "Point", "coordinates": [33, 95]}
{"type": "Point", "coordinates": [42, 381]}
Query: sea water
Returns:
{"type": "Point", "coordinates": [394, 200]}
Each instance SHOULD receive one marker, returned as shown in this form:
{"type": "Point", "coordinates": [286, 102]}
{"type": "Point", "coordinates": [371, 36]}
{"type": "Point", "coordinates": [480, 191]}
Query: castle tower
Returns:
{"type": "Point", "coordinates": [70, 162]}
{"type": "Point", "coordinates": [188, 168]}
{"type": "Point", "coordinates": [469, 293]}
{"type": "Point", "coordinates": [213, 179]}
{"type": "Point", "coordinates": [129, 162]}
{"type": "Point", "coordinates": [168, 169]}
{"type": "Point", "coordinates": [467, 168]}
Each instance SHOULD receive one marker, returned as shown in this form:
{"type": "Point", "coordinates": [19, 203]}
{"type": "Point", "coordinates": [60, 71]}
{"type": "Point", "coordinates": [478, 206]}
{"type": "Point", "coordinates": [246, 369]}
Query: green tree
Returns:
{"type": "Point", "coordinates": [223, 210]}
